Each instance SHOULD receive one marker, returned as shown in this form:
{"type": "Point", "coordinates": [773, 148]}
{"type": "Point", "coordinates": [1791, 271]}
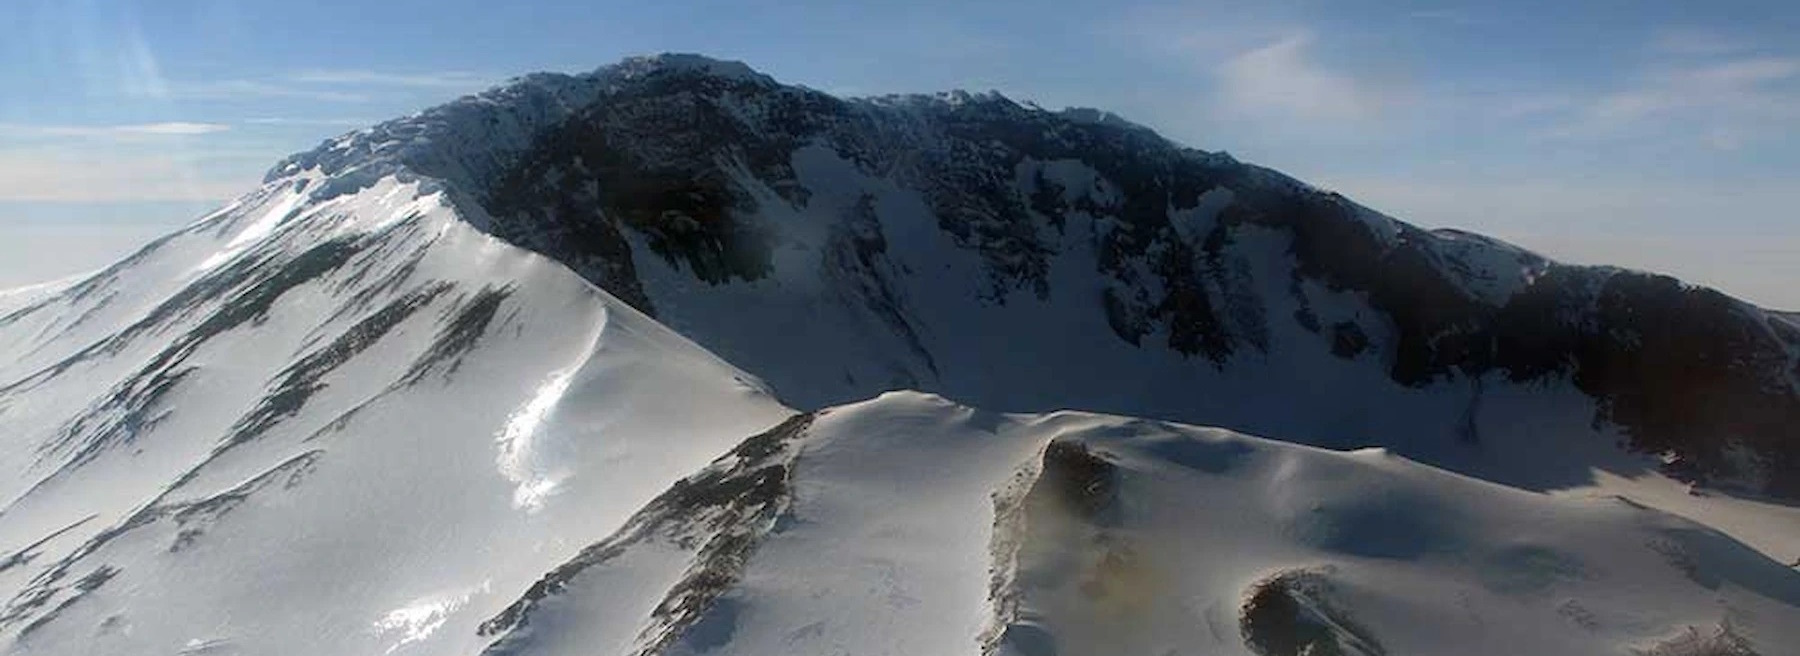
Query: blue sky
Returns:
{"type": "Point", "coordinates": [1649, 133]}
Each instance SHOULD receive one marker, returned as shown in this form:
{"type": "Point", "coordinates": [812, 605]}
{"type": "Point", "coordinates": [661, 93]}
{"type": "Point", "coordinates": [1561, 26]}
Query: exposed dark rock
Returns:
{"type": "Point", "coordinates": [1720, 641]}
{"type": "Point", "coordinates": [240, 293]}
{"type": "Point", "coordinates": [1348, 340]}
{"type": "Point", "coordinates": [462, 327]}
{"type": "Point", "coordinates": [720, 514]}
{"type": "Point", "coordinates": [680, 160]}
{"type": "Point", "coordinates": [1078, 480]}
{"type": "Point", "coordinates": [191, 519]}
{"type": "Point", "coordinates": [656, 158]}
{"type": "Point", "coordinates": [30, 552]}
{"type": "Point", "coordinates": [301, 380]}
{"type": "Point", "coordinates": [194, 517]}
{"type": "Point", "coordinates": [855, 257]}
{"type": "Point", "coordinates": [82, 587]}
{"type": "Point", "coordinates": [1294, 614]}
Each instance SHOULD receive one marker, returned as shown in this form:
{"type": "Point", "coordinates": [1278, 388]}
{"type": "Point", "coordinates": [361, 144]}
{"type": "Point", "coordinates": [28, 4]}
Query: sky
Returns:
{"type": "Point", "coordinates": [1654, 134]}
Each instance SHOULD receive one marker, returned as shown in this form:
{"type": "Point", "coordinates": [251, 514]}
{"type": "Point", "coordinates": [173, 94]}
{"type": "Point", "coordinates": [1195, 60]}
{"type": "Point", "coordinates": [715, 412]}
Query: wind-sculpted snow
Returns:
{"type": "Point", "coordinates": [908, 524]}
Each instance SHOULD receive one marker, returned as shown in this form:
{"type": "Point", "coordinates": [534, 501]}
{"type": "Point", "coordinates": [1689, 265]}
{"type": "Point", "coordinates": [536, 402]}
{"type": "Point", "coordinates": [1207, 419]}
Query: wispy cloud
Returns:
{"type": "Point", "coordinates": [173, 128]}
{"type": "Point", "coordinates": [1188, 32]}
{"type": "Point", "coordinates": [1722, 102]}
{"type": "Point", "coordinates": [141, 70]}
{"type": "Point", "coordinates": [330, 86]}
{"type": "Point", "coordinates": [1523, 105]}
{"type": "Point", "coordinates": [1618, 221]}
{"type": "Point", "coordinates": [128, 131]}
{"type": "Point", "coordinates": [1697, 41]}
{"type": "Point", "coordinates": [75, 175]}
{"type": "Point", "coordinates": [308, 122]}
{"type": "Point", "coordinates": [236, 90]}
{"type": "Point", "coordinates": [1284, 77]}
{"type": "Point", "coordinates": [1460, 17]}
{"type": "Point", "coordinates": [426, 80]}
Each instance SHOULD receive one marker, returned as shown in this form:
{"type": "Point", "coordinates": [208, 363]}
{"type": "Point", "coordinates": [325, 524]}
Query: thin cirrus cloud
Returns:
{"type": "Point", "coordinates": [119, 162]}
{"type": "Point", "coordinates": [431, 80]}
{"type": "Point", "coordinates": [330, 86]}
{"type": "Point", "coordinates": [1461, 17]}
{"type": "Point", "coordinates": [326, 122]}
{"type": "Point", "coordinates": [1643, 225]}
{"type": "Point", "coordinates": [1283, 77]}
{"type": "Point", "coordinates": [1724, 103]}
{"type": "Point", "coordinates": [1697, 41]}
{"type": "Point", "coordinates": [63, 163]}
{"type": "Point", "coordinates": [64, 175]}
{"type": "Point", "coordinates": [238, 90]}
{"type": "Point", "coordinates": [1717, 90]}
{"type": "Point", "coordinates": [126, 131]}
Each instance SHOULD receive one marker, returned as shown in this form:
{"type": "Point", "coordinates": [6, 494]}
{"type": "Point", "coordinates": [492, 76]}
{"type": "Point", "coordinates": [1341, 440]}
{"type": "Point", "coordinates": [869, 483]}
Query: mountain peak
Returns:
{"type": "Point", "coordinates": [685, 63]}
{"type": "Point", "coordinates": [470, 138]}
{"type": "Point", "coordinates": [658, 173]}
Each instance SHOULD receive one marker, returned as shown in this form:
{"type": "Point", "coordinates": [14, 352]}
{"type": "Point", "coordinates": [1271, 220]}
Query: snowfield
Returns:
{"type": "Point", "coordinates": [342, 416]}
{"type": "Point", "coordinates": [909, 524]}
{"type": "Point", "coordinates": [379, 457]}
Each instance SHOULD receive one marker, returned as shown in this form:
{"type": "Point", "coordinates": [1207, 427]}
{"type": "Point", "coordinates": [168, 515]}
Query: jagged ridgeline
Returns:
{"type": "Point", "coordinates": [971, 245]}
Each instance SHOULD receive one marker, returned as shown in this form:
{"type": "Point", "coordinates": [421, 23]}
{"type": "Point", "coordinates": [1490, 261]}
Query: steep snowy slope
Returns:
{"type": "Point", "coordinates": [1023, 259]}
{"type": "Point", "coordinates": [329, 426]}
{"type": "Point", "coordinates": [911, 525]}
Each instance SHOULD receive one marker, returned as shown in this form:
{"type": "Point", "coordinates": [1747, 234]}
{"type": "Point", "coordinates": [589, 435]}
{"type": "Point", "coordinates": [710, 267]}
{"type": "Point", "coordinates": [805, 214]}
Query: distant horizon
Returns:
{"type": "Point", "coordinates": [1638, 136]}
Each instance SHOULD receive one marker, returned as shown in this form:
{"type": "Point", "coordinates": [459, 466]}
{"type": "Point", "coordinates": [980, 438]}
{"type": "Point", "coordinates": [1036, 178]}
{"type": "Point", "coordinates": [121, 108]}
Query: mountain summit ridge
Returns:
{"type": "Point", "coordinates": [694, 170]}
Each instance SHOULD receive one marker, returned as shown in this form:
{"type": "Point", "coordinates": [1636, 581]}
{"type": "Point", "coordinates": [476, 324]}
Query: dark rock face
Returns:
{"type": "Point", "coordinates": [1077, 481]}
{"type": "Point", "coordinates": [1722, 640]}
{"type": "Point", "coordinates": [648, 159]}
{"type": "Point", "coordinates": [1294, 614]}
{"type": "Point", "coordinates": [682, 159]}
{"type": "Point", "coordinates": [719, 516]}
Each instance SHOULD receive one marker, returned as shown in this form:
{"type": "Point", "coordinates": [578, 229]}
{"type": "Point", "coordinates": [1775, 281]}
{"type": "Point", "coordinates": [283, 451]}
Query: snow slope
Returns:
{"type": "Point", "coordinates": [335, 426]}
{"type": "Point", "coordinates": [912, 525]}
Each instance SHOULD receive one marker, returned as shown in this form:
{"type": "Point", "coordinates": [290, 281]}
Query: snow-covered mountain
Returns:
{"type": "Point", "coordinates": [304, 426]}
{"type": "Point", "coordinates": [431, 389]}
{"type": "Point", "coordinates": [1028, 260]}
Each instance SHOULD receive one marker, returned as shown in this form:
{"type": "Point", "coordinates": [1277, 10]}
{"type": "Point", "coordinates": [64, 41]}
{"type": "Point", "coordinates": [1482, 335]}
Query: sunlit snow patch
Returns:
{"type": "Point", "coordinates": [518, 440]}
{"type": "Point", "coordinates": [257, 230]}
{"type": "Point", "coordinates": [418, 620]}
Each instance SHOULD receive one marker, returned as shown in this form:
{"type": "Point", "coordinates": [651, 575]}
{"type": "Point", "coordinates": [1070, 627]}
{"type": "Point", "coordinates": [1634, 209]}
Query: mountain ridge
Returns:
{"type": "Point", "coordinates": [352, 411]}
{"type": "Point", "coordinates": [699, 163]}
